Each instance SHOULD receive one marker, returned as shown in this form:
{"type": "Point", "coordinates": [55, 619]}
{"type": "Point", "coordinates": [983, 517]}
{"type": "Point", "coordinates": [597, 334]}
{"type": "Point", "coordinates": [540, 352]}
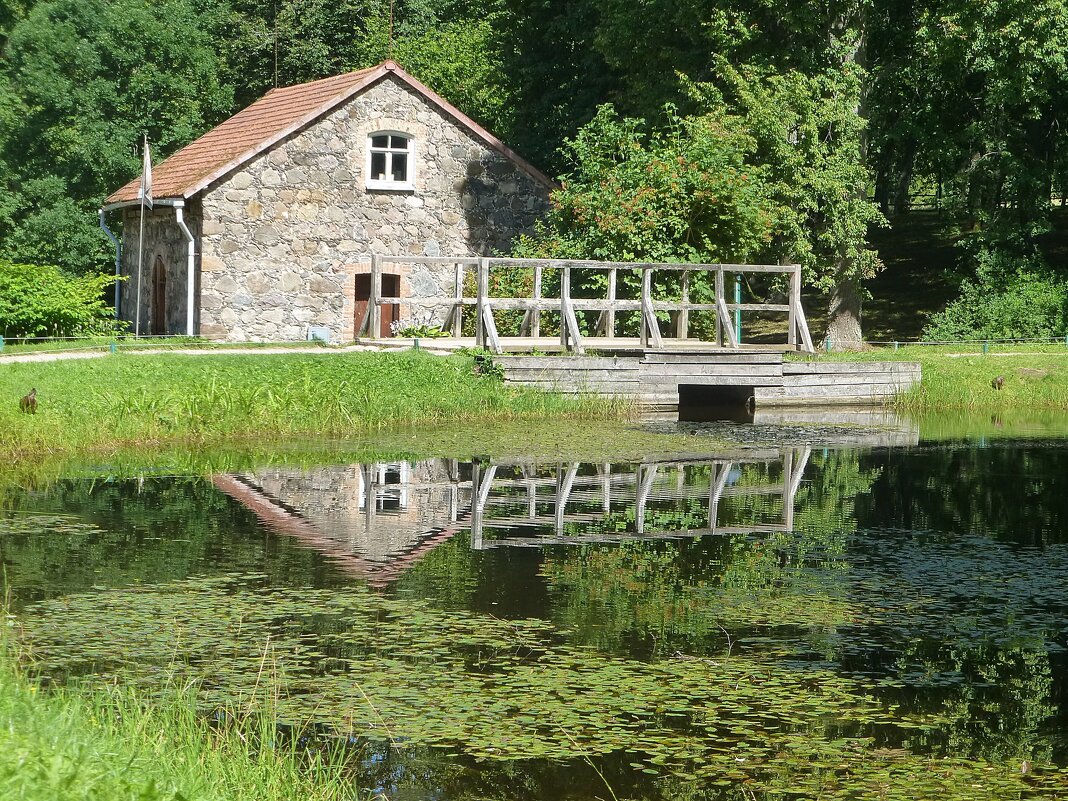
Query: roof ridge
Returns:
{"type": "Point", "coordinates": [278, 114]}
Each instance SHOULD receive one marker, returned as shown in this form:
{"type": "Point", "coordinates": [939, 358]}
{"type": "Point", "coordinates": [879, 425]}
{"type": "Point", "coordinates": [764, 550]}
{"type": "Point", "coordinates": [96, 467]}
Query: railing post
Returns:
{"type": "Point", "coordinates": [646, 298]}
{"type": "Point", "coordinates": [565, 296]}
{"type": "Point", "coordinates": [458, 295]}
{"type": "Point", "coordinates": [719, 296]}
{"type": "Point", "coordinates": [795, 298]}
{"type": "Point", "coordinates": [682, 329]}
{"type": "Point", "coordinates": [480, 302]}
{"type": "Point", "coordinates": [610, 313]}
{"type": "Point", "coordinates": [535, 322]}
{"type": "Point", "coordinates": [374, 328]}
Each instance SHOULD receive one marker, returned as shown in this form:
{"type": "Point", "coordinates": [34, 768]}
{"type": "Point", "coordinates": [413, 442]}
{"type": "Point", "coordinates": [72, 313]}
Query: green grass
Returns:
{"type": "Point", "coordinates": [128, 399]}
{"type": "Point", "coordinates": [112, 745]}
{"type": "Point", "coordinates": [959, 376]}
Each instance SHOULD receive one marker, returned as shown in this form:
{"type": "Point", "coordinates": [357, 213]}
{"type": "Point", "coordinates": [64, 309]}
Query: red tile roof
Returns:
{"type": "Point", "coordinates": [278, 114]}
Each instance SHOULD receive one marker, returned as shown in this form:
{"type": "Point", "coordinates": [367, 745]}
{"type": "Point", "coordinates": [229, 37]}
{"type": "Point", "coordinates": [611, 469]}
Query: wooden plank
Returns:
{"type": "Point", "coordinates": [718, 381]}
{"type": "Point", "coordinates": [711, 370]}
{"type": "Point", "coordinates": [857, 379]}
{"type": "Point", "coordinates": [831, 368]}
{"type": "Point", "coordinates": [560, 264]}
{"type": "Point", "coordinates": [762, 307]}
{"type": "Point", "coordinates": [569, 362]}
{"type": "Point", "coordinates": [723, 357]}
{"type": "Point", "coordinates": [468, 260]}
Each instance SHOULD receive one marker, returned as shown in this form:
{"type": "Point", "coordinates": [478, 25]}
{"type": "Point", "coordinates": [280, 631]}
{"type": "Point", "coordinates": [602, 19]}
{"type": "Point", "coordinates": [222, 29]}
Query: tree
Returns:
{"type": "Point", "coordinates": [80, 83]}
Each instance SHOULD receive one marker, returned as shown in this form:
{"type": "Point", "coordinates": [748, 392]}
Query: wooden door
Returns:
{"type": "Point", "coordinates": [159, 297]}
{"type": "Point", "coordinates": [390, 313]}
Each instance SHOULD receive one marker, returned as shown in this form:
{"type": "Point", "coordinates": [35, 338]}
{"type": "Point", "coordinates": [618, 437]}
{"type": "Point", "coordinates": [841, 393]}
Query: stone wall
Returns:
{"type": "Point", "coordinates": [163, 238]}
{"type": "Point", "coordinates": [285, 235]}
{"type": "Point", "coordinates": [333, 499]}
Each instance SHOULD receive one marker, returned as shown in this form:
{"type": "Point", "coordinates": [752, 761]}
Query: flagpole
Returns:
{"type": "Point", "coordinates": [140, 243]}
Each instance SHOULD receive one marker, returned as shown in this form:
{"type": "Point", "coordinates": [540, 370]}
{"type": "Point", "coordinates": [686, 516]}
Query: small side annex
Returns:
{"type": "Point", "coordinates": [262, 229]}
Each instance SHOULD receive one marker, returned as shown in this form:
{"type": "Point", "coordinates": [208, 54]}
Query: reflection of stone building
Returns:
{"type": "Point", "coordinates": [262, 228]}
{"type": "Point", "coordinates": [373, 519]}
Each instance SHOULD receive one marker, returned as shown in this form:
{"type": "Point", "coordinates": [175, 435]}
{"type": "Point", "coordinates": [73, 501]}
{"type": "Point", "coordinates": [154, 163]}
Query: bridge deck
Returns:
{"type": "Point", "coordinates": [615, 345]}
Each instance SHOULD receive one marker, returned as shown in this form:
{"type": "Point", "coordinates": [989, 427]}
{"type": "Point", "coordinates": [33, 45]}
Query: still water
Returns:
{"type": "Point", "coordinates": [795, 620]}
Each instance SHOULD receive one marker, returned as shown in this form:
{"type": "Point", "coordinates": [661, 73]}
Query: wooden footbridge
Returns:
{"type": "Point", "coordinates": [633, 330]}
{"type": "Point", "coordinates": [576, 305]}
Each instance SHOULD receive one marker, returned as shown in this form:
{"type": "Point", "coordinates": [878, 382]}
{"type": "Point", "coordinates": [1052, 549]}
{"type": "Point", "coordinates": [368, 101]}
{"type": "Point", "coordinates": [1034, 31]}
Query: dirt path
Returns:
{"type": "Point", "coordinates": [55, 356]}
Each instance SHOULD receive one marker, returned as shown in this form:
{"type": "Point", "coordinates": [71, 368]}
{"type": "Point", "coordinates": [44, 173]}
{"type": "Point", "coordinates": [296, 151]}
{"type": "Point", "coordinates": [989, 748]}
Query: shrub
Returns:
{"type": "Point", "coordinates": [1008, 299]}
{"type": "Point", "coordinates": [43, 301]}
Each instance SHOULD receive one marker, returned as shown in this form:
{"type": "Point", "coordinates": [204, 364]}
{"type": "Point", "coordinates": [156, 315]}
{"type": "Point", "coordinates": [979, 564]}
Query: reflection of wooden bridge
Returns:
{"type": "Point", "coordinates": [578, 495]}
{"type": "Point", "coordinates": [385, 517]}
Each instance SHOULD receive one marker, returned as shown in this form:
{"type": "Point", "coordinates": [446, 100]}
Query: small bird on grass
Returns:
{"type": "Point", "coordinates": [998, 382]}
{"type": "Point", "coordinates": [28, 403]}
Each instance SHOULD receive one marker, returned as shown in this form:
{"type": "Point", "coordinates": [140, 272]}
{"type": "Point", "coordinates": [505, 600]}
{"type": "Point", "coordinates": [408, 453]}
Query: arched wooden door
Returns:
{"type": "Point", "coordinates": [159, 297]}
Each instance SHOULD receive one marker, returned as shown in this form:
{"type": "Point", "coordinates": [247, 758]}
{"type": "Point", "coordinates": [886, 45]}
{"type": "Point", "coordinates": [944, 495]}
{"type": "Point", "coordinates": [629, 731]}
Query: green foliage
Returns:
{"type": "Point", "coordinates": [678, 195]}
{"type": "Point", "coordinates": [1007, 299]}
{"type": "Point", "coordinates": [42, 301]}
{"type": "Point", "coordinates": [80, 82]}
{"type": "Point", "coordinates": [768, 172]}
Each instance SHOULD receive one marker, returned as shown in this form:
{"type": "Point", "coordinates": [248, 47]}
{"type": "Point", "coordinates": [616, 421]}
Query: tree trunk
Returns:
{"type": "Point", "coordinates": [844, 316]}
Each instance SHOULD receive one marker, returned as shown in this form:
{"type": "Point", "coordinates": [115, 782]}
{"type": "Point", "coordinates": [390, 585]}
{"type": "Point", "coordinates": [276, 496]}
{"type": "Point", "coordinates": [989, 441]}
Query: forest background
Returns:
{"type": "Point", "coordinates": [696, 130]}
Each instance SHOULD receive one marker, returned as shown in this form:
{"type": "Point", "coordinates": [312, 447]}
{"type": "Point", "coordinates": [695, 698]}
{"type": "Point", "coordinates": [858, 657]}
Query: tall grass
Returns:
{"type": "Point", "coordinates": [113, 745]}
{"type": "Point", "coordinates": [130, 399]}
{"type": "Point", "coordinates": [958, 377]}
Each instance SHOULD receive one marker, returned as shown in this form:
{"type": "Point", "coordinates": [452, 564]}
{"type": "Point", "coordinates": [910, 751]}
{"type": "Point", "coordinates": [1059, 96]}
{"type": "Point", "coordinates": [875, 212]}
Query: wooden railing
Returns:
{"type": "Point", "coordinates": [567, 306]}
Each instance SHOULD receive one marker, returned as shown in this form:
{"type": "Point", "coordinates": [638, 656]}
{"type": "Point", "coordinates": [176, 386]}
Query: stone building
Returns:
{"type": "Point", "coordinates": [262, 229]}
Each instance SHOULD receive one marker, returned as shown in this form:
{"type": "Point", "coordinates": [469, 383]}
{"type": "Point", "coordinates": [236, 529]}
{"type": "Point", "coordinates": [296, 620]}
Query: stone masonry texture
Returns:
{"type": "Point", "coordinates": [282, 238]}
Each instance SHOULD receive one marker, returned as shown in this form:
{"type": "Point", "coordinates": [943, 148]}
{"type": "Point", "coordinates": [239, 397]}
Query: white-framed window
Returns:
{"type": "Point", "coordinates": [390, 160]}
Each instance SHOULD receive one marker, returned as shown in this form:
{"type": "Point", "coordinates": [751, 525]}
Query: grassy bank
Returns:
{"type": "Point", "coordinates": [111, 745]}
{"type": "Point", "coordinates": [960, 376]}
{"type": "Point", "coordinates": [128, 399]}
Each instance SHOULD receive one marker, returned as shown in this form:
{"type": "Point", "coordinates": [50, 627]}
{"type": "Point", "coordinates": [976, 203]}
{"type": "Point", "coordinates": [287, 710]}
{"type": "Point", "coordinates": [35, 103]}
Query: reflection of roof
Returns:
{"type": "Point", "coordinates": [278, 114]}
{"type": "Point", "coordinates": [282, 520]}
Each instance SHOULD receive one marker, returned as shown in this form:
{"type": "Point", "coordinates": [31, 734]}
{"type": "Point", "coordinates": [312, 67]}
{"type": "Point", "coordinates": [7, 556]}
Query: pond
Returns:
{"type": "Point", "coordinates": [815, 612]}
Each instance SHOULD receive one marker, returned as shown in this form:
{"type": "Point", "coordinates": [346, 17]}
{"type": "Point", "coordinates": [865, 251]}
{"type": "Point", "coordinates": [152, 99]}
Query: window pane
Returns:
{"type": "Point", "coordinates": [380, 141]}
{"type": "Point", "coordinates": [400, 167]}
{"type": "Point", "coordinates": [398, 142]}
{"type": "Point", "coordinates": [378, 166]}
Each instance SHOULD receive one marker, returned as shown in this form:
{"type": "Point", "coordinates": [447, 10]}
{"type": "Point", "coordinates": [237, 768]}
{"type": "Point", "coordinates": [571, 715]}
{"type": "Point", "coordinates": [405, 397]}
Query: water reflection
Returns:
{"type": "Point", "coordinates": [376, 520]}
{"type": "Point", "coordinates": [839, 606]}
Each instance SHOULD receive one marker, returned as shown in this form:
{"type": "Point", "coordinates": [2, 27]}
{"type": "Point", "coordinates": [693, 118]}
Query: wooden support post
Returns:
{"type": "Point", "coordinates": [650, 326]}
{"type": "Point", "coordinates": [374, 329]}
{"type": "Point", "coordinates": [606, 487]}
{"type": "Point", "coordinates": [481, 484]}
{"type": "Point", "coordinates": [646, 477]}
{"type": "Point", "coordinates": [570, 337]}
{"type": "Point", "coordinates": [481, 296]}
{"type": "Point", "coordinates": [787, 482]}
{"type": "Point", "coordinates": [607, 322]}
{"type": "Point", "coordinates": [682, 329]}
{"type": "Point", "coordinates": [458, 297]}
{"type": "Point", "coordinates": [795, 295]}
{"type": "Point", "coordinates": [719, 318]}
{"type": "Point", "coordinates": [565, 296]}
{"type": "Point", "coordinates": [717, 493]}
{"type": "Point", "coordinates": [564, 493]}
{"type": "Point", "coordinates": [535, 326]}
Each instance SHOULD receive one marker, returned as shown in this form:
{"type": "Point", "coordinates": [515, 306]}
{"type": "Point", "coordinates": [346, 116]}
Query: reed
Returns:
{"type": "Point", "coordinates": [73, 744]}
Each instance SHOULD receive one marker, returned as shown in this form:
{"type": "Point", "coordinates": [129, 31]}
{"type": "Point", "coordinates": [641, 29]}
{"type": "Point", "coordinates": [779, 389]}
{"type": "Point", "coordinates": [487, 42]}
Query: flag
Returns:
{"type": "Point", "coordinates": [144, 194]}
